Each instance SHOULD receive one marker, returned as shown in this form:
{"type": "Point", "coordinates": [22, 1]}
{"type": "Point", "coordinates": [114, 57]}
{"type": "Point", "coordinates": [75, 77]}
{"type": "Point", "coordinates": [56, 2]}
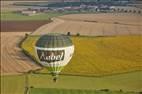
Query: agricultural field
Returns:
{"type": "Point", "coordinates": [43, 83]}
{"type": "Point", "coordinates": [105, 56]}
{"type": "Point", "coordinates": [121, 18]}
{"type": "Point", "coordinates": [101, 24]}
{"type": "Point", "coordinates": [9, 15]}
{"type": "Point", "coordinates": [103, 60]}
{"type": "Point", "coordinates": [8, 12]}
{"type": "Point", "coordinates": [13, 60]}
{"type": "Point", "coordinates": [19, 26]}
{"type": "Point", "coordinates": [99, 55]}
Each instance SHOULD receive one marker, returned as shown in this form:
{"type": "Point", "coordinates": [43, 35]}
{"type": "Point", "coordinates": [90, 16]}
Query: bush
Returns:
{"type": "Point", "coordinates": [68, 33]}
{"type": "Point", "coordinates": [139, 12]}
{"type": "Point", "coordinates": [125, 11]}
{"type": "Point", "coordinates": [134, 11]}
{"type": "Point", "coordinates": [121, 90]}
{"type": "Point", "coordinates": [31, 86]}
{"type": "Point", "coordinates": [106, 90]}
{"type": "Point", "coordinates": [78, 34]}
{"type": "Point", "coordinates": [50, 20]}
{"type": "Point", "coordinates": [26, 35]}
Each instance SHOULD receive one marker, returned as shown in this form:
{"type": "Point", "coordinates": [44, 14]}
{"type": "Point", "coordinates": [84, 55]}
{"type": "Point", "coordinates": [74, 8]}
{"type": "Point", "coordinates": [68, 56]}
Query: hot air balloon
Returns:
{"type": "Point", "coordinates": [54, 51]}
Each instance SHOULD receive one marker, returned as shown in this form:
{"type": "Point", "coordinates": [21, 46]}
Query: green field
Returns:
{"type": "Point", "coordinates": [99, 56]}
{"type": "Point", "coordinates": [126, 82]}
{"type": "Point", "coordinates": [8, 15]}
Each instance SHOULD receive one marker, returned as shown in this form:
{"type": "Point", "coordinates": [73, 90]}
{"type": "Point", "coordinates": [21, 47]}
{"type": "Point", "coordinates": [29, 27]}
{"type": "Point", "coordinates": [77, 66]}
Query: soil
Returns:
{"type": "Point", "coordinates": [16, 26]}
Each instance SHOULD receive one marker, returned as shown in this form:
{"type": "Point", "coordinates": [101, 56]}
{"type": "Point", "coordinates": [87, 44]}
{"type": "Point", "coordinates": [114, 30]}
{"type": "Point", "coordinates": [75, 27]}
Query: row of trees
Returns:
{"type": "Point", "coordinates": [127, 10]}
{"type": "Point", "coordinates": [69, 34]}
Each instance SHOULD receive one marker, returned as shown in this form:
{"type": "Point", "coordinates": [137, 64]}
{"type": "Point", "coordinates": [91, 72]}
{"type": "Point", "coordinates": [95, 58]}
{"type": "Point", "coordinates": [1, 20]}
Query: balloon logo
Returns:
{"type": "Point", "coordinates": [54, 51]}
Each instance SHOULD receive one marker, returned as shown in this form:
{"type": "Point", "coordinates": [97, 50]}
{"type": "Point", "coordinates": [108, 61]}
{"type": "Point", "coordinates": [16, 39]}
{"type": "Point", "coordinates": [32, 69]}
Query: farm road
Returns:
{"type": "Point", "coordinates": [48, 27]}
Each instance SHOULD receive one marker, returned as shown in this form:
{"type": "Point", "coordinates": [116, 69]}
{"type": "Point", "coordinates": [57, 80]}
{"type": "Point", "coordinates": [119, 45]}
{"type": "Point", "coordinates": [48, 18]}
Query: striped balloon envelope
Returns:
{"type": "Point", "coordinates": [54, 51]}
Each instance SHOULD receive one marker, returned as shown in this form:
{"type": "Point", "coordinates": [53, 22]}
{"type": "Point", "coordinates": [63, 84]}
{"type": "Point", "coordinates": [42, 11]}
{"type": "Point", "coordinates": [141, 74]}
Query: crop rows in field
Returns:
{"type": "Point", "coordinates": [13, 61]}
{"type": "Point", "coordinates": [100, 56]}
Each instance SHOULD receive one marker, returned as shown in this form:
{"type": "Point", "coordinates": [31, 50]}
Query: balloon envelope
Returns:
{"type": "Point", "coordinates": [54, 51]}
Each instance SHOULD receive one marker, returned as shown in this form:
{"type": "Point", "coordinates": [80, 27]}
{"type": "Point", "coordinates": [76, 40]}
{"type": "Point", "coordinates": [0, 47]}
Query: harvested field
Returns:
{"type": "Point", "coordinates": [126, 18]}
{"type": "Point", "coordinates": [13, 61]}
{"type": "Point", "coordinates": [107, 24]}
{"type": "Point", "coordinates": [10, 26]}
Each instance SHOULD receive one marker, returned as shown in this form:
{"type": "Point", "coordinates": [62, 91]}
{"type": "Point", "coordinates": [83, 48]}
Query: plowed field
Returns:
{"type": "Point", "coordinates": [12, 26]}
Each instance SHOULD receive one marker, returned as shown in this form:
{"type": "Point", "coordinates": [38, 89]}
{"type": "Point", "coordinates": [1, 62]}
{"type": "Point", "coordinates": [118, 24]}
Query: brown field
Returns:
{"type": "Point", "coordinates": [9, 26]}
{"type": "Point", "coordinates": [13, 61]}
{"type": "Point", "coordinates": [95, 24]}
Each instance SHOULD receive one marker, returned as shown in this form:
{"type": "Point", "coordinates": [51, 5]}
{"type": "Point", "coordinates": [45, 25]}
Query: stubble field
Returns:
{"type": "Point", "coordinates": [13, 60]}
{"type": "Point", "coordinates": [101, 24]}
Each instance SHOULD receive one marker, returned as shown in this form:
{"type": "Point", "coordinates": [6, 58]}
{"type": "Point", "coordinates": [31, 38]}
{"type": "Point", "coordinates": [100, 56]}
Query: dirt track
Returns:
{"type": "Point", "coordinates": [95, 25]}
{"type": "Point", "coordinates": [13, 61]}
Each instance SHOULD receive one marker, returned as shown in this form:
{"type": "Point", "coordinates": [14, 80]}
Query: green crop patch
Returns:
{"type": "Point", "coordinates": [8, 15]}
{"type": "Point", "coordinates": [12, 84]}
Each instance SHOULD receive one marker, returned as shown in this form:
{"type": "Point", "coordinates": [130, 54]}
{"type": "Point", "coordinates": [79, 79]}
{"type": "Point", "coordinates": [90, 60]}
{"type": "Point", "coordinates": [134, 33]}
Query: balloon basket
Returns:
{"type": "Point", "coordinates": [55, 77]}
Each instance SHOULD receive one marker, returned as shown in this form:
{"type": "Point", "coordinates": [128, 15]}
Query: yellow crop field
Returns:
{"type": "Point", "coordinates": [99, 56]}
